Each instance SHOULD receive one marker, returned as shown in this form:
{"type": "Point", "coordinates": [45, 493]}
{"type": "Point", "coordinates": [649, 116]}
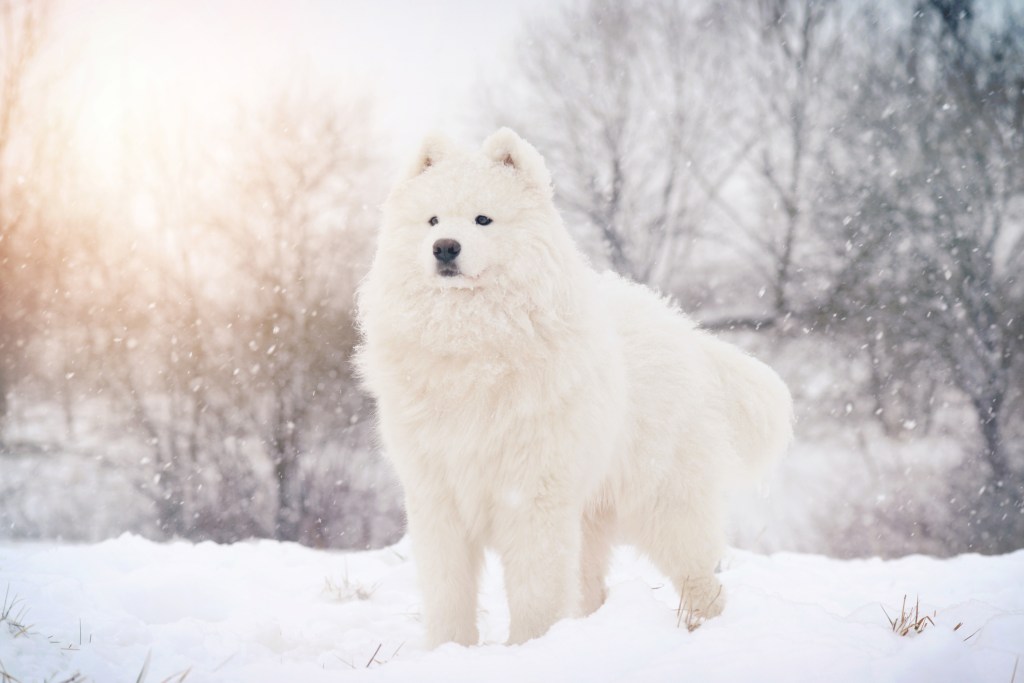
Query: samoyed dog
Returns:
{"type": "Point", "coordinates": [537, 408]}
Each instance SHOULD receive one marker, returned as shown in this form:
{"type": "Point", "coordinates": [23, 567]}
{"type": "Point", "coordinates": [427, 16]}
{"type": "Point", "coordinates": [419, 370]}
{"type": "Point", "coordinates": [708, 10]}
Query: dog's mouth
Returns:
{"type": "Point", "coordinates": [450, 276]}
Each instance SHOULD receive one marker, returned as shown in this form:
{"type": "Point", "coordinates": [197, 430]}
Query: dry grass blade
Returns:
{"type": "Point", "coordinates": [6, 677]}
{"type": "Point", "coordinates": [892, 622]}
{"type": "Point", "coordinates": [972, 635]}
{"type": "Point", "coordinates": [179, 678]}
{"type": "Point", "coordinates": [1013, 676]}
{"type": "Point", "coordinates": [145, 668]}
{"type": "Point", "coordinates": [680, 613]}
{"type": "Point", "coordinates": [374, 657]}
{"type": "Point", "coordinates": [910, 620]}
{"type": "Point", "coordinates": [224, 663]}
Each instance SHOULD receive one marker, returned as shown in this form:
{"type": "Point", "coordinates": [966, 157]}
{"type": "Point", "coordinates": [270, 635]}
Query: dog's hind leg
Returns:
{"type": "Point", "coordinates": [685, 539]}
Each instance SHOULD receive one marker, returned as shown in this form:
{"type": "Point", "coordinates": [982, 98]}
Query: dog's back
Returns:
{"type": "Point", "coordinates": [692, 387]}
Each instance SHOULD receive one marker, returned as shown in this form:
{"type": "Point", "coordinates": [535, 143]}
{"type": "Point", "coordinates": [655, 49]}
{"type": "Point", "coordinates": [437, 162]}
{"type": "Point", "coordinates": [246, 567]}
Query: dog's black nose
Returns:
{"type": "Point", "coordinates": [445, 251]}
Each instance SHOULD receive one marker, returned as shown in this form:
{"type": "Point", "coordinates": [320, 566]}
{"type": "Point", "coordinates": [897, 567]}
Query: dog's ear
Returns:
{"type": "Point", "coordinates": [434, 148]}
{"type": "Point", "coordinates": [507, 148]}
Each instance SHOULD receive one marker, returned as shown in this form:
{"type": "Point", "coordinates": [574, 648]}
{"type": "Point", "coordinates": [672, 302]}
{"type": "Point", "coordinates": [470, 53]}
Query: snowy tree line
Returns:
{"type": "Point", "coordinates": [191, 320]}
{"type": "Point", "coordinates": [852, 172]}
{"type": "Point", "coordinates": [801, 174]}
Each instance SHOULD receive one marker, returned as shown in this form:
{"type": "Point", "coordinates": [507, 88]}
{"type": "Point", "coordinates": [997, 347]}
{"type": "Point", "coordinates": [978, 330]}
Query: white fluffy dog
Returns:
{"type": "Point", "coordinates": [533, 406]}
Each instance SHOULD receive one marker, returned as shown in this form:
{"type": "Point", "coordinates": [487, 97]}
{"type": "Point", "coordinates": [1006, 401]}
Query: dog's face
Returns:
{"type": "Point", "coordinates": [471, 220]}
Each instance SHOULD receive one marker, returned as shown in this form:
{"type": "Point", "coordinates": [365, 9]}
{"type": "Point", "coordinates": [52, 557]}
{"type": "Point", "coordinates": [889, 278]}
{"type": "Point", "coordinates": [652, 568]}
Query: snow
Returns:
{"type": "Point", "coordinates": [268, 611]}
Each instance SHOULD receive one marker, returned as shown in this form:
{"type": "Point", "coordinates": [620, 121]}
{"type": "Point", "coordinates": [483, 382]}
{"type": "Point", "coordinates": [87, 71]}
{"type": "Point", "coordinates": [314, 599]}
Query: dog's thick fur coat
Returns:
{"type": "Point", "coordinates": [535, 407]}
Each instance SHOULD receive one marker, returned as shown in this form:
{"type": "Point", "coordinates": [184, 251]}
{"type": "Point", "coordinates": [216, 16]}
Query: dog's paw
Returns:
{"type": "Point", "coordinates": [701, 599]}
{"type": "Point", "coordinates": [593, 598]}
{"type": "Point", "coordinates": [466, 635]}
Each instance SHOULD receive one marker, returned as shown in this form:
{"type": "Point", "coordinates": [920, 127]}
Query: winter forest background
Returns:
{"type": "Point", "coordinates": [837, 187]}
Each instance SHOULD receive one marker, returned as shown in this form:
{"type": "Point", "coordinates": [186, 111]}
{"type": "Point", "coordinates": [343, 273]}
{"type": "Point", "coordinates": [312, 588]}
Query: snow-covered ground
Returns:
{"type": "Point", "coordinates": [267, 611]}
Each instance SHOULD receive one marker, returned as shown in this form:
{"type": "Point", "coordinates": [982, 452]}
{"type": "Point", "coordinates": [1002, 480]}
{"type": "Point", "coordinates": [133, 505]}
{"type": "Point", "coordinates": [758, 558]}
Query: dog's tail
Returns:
{"type": "Point", "coordinates": [758, 407]}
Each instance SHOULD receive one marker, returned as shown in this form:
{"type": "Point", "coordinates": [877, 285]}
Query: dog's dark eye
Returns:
{"type": "Point", "coordinates": [483, 220]}
{"type": "Point", "coordinates": [433, 220]}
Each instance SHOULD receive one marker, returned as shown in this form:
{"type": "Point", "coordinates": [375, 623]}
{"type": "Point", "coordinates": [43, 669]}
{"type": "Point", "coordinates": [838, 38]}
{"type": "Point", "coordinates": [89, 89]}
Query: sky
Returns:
{"type": "Point", "coordinates": [419, 62]}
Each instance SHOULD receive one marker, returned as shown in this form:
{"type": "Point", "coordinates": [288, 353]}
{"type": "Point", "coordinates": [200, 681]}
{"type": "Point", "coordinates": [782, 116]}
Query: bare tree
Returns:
{"type": "Point", "coordinates": [787, 53]}
{"type": "Point", "coordinates": [299, 239]}
{"type": "Point", "coordinates": [929, 200]}
{"type": "Point", "coordinates": [232, 324]}
{"type": "Point", "coordinates": [23, 27]}
{"type": "Point", "coordinates": [622, 100]}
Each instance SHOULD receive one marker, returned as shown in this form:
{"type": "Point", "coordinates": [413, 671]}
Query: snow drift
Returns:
{"type": "Point", "coordinates": [267, 611]}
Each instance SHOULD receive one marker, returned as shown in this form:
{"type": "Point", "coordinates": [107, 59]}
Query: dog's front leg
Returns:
{"type": "Point", "coordinates": [448, 563]}
{"type": "Point", "coordinates": [540, 551]}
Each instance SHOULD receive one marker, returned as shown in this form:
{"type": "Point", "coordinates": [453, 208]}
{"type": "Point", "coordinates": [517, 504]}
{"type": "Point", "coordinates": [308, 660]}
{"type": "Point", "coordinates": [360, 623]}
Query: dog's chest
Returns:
{"type": "Point", "coordinates": [477, 410]}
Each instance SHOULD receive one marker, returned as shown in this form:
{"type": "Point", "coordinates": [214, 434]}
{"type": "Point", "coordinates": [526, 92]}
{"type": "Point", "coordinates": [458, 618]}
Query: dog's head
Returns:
{"type": "Point", "coordinates": [467, 219]}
